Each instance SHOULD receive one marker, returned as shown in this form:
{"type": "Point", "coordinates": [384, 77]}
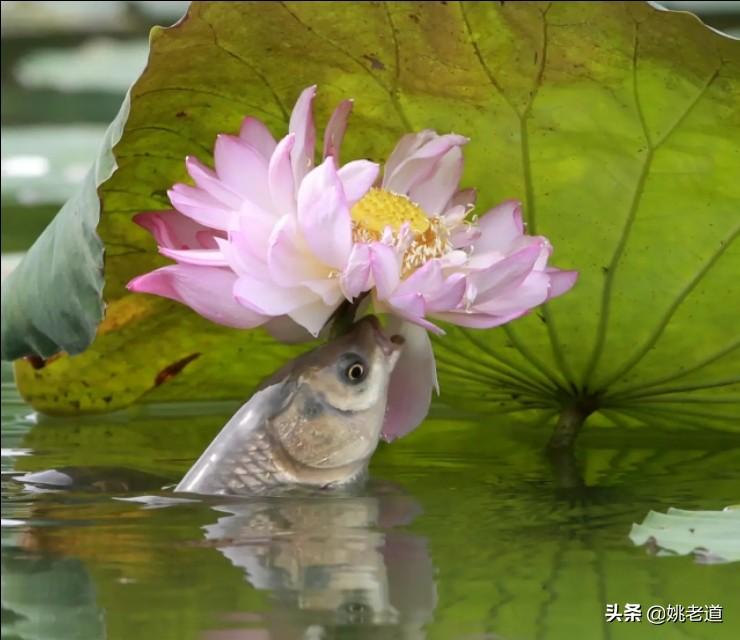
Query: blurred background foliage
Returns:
{"type": "Point", "coordinates": [65, 69]}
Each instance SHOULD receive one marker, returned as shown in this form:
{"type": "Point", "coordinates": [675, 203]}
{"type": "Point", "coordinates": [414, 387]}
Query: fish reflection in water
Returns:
{"type": "Point", "coordinates": [331, 562]}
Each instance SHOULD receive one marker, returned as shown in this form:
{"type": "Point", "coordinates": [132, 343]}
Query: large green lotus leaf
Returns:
{"type": "Point", "coordinates": [617, 125]}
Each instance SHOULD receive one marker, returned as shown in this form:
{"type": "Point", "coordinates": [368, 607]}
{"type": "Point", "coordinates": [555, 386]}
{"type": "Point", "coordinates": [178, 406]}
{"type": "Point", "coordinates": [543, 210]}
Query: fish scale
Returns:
{"type": "Point", "coordinates": [253, 469]}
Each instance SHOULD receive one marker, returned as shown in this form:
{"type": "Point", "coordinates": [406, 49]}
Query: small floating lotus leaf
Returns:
{"type": "Point", "coordinates": [712, 536]}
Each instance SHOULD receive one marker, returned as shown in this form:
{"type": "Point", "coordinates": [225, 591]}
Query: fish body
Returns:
{"type": "Point", "coordinates": [316, 422]}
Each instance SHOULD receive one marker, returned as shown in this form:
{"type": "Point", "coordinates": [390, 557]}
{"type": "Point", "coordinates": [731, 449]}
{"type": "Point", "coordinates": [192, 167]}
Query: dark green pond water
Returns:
{"type": "Point", "coordinates": [465, 531]}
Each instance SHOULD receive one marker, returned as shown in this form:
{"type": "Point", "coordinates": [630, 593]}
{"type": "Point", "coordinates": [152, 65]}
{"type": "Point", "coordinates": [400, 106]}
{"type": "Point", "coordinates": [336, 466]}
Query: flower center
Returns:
{"type": "Point", "coordinates": [379, 209]}
{"type": "Point", "coordinates": [427, 238]}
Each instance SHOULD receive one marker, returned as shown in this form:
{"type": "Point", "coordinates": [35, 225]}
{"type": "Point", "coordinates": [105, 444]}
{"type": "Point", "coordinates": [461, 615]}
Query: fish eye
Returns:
{"type": "Point", "coordinates": [352, 368]}
{"type": "Point", "coordinates": [355, 372]}
{"type": "Point", "coordinates": [354, 612]}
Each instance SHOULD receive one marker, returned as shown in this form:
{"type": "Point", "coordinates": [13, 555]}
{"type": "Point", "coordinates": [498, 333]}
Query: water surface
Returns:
{"type": "Point", "coordinates": [466, 531]}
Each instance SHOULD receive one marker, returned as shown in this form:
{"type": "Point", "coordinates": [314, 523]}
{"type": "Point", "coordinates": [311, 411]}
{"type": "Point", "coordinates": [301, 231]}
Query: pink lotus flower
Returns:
{"type": "Point", "coordinates": [270, 239]}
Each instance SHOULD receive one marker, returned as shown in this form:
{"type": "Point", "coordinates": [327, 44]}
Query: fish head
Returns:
{"type": "Point", "coordinates": [338, 409]}
{"type": "Point", "coordinates": [353, 371]}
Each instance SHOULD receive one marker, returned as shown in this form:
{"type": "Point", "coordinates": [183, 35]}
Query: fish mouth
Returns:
{"type": "Point", "coordinates": [388, 345]}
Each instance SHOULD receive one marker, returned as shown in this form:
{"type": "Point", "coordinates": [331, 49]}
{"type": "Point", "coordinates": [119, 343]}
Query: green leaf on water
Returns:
{"type": "Point", "coordinates": [712, 536]}
{"type": "Point", "coordinates": [616, 124]}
